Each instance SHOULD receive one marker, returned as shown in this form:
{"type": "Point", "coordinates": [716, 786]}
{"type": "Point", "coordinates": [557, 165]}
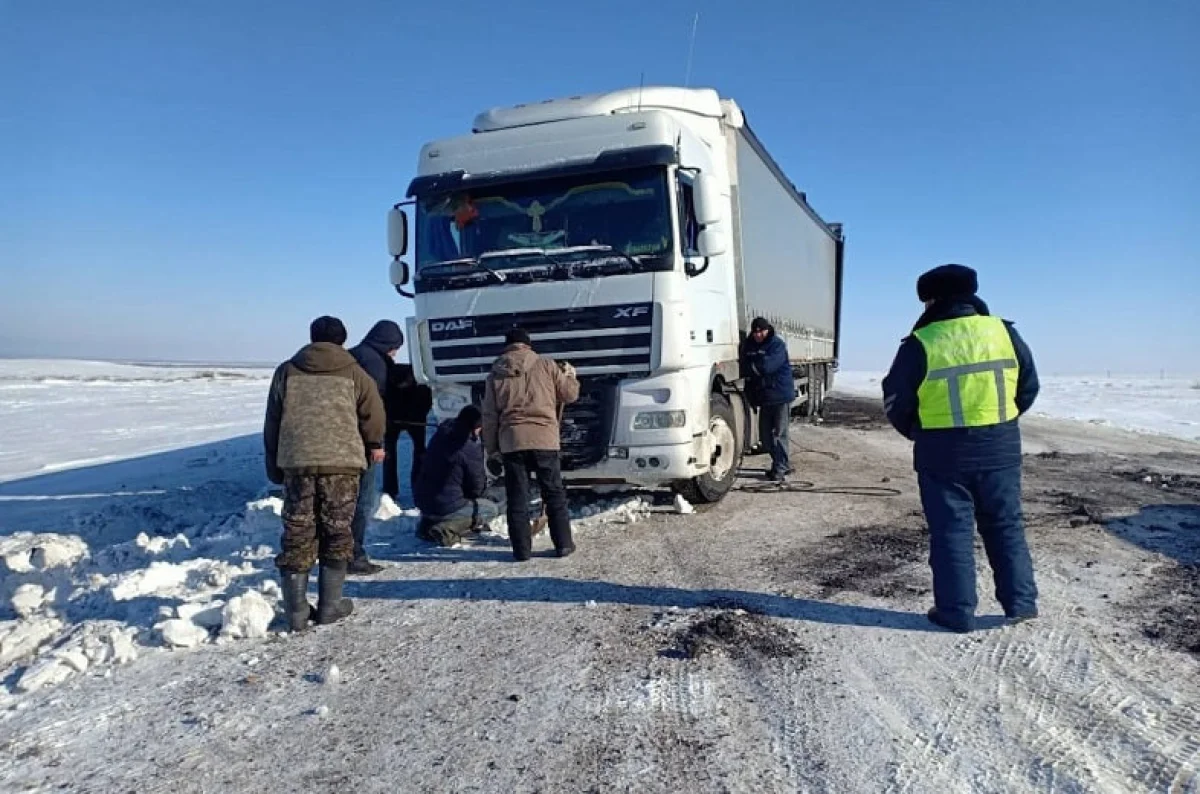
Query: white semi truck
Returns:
{"type": "Point", "coordinates": [635, 234]}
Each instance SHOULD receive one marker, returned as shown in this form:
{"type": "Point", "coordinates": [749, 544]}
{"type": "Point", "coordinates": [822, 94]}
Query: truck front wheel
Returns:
{"type": "Point", "coordinates": [725, 455]}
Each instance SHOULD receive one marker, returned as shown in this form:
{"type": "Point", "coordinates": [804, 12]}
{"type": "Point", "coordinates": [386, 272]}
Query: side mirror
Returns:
{"type": "Point", "coordinates": [711, 241]}
{"type": "Point", "coordinates": [707, 200]}
{"type": "Point", "coordinates": [399, 276]}
{"type": "Point", "coordinates": [397, 231]}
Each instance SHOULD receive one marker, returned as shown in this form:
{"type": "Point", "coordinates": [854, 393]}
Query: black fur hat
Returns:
{"type": "Point", "coordinates": [947, 281]}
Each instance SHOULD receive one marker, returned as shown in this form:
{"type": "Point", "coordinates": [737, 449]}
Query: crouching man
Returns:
{"type": "Point", "coordinates": [453, 481]}
{"type": "Point", "coordinates": [324, 418]}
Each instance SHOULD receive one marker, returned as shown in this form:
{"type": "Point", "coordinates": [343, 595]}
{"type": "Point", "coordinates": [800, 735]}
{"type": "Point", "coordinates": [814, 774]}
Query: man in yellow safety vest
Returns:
{"type": "Point", "coordinates": [956, 389]}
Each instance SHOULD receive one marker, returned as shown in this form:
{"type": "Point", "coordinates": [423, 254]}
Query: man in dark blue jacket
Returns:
{"type": "Point", "coordinates": [956, 389]}
{"type": "Point", "coordinates": [453, 481]}
{"type": "Point", "coordinates": [772, 390]}
{"type": "Point", "coordinates": [374, 354]}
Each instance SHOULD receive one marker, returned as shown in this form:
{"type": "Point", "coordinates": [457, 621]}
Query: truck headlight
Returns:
{"type": "Point", "coordinates": [659, 420]}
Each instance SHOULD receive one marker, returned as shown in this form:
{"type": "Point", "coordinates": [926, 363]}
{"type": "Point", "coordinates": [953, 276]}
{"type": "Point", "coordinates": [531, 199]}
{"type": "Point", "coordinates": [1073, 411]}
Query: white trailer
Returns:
{"type": "Point", "coordinates": [636, 234]}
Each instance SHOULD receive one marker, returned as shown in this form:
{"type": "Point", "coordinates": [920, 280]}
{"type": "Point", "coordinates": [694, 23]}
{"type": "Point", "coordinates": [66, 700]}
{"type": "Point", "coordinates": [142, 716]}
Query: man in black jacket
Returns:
{"type": "Point", "coordinates": [453, 481]}
{"type": "Point", "coordinates": [408, 404]}
{"type": "Point", "coordinates": [956, 389]}
{"type": "Point", "coordinates": [772, 390]}
{"type": "Point", "coordinates": [374, 354]}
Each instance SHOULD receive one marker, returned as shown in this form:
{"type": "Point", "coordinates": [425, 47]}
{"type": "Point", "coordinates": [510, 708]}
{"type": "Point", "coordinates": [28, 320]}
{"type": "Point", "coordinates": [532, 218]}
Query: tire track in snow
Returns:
{"type": "Point", "coordinates": [1079, 716]}
{"type": "Point", "coordinates": [1102, 726]}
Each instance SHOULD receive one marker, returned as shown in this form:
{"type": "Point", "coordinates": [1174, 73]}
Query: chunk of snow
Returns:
{"type": "Point", "coordinates": [208, 614]}
{"type": "Point", "coordinates": [333, 676]}
{"type": "Point", "coordinates": [158, 545]}
{"type": "Point", "coordinates": [321, 711]}
{"type": "Point", "coordinates": [49, 671]}
{"type": "Point", "coordinates": [261, 517]}
{"type": "Point", "coordinates": [184, 579]}
{"type": "Point", "coordinates": [58, 551]}
{"type": "Point", "coordinates": [124, 650]}
{"type": "Point", "coordinates": [25, 552]}
{"type": "Point", "coordinates": [387, 509]}
{"type": "Point", "coordinates": [158, 579]}
{"type": "Point", "coordinates": [682, 506]}
{"type": "Point", "coordinates": [181, 633]}
{"type": "Point", "coordinates": [21, 638]}
{"type": "Point", "coordinates": [75, 658]}
{"type": "Point", "coordinates": [28, 599]}
{"type": "Point", "coordinates": [247, 615]}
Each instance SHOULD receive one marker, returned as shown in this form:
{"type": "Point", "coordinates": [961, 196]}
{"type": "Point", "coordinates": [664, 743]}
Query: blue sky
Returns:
{"type": "Point", "coordinates": [198, 180]}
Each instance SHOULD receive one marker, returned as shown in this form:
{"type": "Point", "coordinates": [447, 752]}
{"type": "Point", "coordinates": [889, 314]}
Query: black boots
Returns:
{"type": "Point", "coordinates": [331, 607]}
{"type": "Point", "coordinates": [296, 609]}
{"type": "Point", "coordinates": [362, 566]}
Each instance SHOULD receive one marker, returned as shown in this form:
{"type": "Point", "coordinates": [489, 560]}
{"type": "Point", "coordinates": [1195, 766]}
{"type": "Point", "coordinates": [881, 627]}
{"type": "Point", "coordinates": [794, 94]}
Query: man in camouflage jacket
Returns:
{"type": "Point", "coordinates": [324, 417]}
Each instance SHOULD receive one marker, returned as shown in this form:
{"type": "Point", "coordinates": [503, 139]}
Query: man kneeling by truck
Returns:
{"type": "Point", "coordinates": [453, 481]}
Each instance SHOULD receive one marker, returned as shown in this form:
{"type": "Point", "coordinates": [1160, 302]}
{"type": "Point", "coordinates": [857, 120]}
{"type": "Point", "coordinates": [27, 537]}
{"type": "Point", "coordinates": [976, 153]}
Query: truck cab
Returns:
{"type": "Point", "coordinates": [605, 226]}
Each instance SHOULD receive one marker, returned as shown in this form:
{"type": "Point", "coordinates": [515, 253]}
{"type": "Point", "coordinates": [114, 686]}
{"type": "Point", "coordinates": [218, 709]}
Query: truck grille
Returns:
{"type": "Point", "coordinates": [597, 340]}
{"type": "Point", "coordinates": [587, 424]}
{"type": "Point", "coordinates": [602, 342]}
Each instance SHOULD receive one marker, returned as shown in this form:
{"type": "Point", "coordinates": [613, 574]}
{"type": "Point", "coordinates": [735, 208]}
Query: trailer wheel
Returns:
{"type": "Point", "coordinates": [814, 405]}
{"type": "Point", "coordinates": [819, 390]}
{"type": "Point", "coordinates": [726, 456]}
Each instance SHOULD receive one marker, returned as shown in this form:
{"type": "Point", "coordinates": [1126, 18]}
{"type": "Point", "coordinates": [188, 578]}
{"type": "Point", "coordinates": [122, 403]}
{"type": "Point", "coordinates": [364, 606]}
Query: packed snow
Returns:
{"type": "Point", "coordinates": [1167, 406]}
{"type": "Point", "coordinates": [104, 557]}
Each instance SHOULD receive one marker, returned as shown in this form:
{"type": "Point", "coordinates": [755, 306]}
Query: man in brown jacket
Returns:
{"type": "Point", "coordinates": [521, 406]}
{"type": "Point", "coordinates": [324, 417]}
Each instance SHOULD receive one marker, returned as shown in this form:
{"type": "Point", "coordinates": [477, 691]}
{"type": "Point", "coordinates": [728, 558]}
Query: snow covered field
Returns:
{"type": "Point", "coordinates": [63, 414]}
{"type": "Point", "coordinates": [1167, 406]}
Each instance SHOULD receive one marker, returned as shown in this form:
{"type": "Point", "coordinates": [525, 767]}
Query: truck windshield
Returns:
{"type": "Point", "coordinates": [580, 217]}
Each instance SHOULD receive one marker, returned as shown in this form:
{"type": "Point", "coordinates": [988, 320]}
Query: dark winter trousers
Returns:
{"type": "Point", "coordinates": [954, 507]}
{"type": "Point", "coordinates": [365, 505]}
{"type": "Point", "coordinates": [317, 513]}
{"type": "Point", "coordinates": [773, 422]}
{"type": "Point", "coordinates": [543, 464]}
{"type": "Point", "coordinates": [391, 476]}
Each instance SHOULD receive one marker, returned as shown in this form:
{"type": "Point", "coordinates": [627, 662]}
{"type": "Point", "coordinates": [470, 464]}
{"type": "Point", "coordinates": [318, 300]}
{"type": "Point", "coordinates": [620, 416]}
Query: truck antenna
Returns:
{"type": "Point", "coordinates": [687, 79]}
{"type": "Point", "coordinates": [641, 88]}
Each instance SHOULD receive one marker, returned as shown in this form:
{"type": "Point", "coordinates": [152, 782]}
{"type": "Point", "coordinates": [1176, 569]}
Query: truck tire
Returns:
{"type": "Point", "coordinates": [814, 403]}
{"type": "Point", "coordinates": [726, 457]}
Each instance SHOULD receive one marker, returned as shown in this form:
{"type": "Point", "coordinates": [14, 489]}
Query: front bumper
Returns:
{"type": "Point", "coordinates": [645, 465]}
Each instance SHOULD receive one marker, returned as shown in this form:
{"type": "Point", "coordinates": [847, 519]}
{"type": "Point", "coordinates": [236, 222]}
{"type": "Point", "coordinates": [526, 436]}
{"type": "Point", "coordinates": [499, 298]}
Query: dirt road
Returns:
{"type": "Point", "coordinates": [774, 643]}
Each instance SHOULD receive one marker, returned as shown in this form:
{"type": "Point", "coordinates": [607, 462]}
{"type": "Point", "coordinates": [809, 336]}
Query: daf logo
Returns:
{"type": "Point", "coordinates": [464, 324]}
{"type": "Point", "coordinates": [629, 312]}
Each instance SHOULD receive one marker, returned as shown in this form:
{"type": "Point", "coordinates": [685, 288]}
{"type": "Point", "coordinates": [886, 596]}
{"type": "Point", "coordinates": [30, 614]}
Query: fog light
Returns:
{"type": "Point", "coordinates": [659, 420]}
{"type": "Point", "coordinates": [618, 453]}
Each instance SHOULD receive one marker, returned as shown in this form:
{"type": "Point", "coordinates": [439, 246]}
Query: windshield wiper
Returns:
{"type": "Point", "coordinates": [553, 255]}
{"type": "Point", "coordinates": [552, 258]}
{"type": "Point", "coordinates": [477, 266]}
{"type": "Point", "coordinates": [600, 248]}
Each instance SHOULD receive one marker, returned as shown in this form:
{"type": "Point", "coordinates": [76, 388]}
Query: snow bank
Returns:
{"type": "Point", "coordinates": [78, 610]}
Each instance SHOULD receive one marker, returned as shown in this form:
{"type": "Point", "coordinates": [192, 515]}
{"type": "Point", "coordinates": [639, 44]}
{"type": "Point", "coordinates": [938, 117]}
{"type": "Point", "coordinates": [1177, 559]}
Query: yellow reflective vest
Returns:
{"type": "Point", "coordinates": [971, 374]}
